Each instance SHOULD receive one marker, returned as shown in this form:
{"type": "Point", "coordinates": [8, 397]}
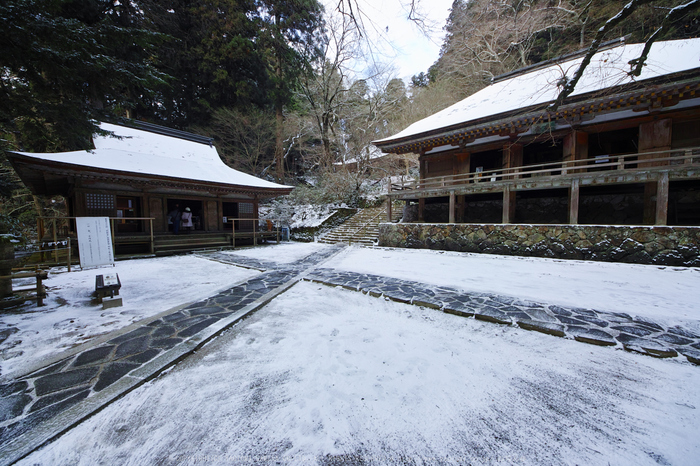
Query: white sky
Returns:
{"type": "Point", "coordinates": [399, 40]}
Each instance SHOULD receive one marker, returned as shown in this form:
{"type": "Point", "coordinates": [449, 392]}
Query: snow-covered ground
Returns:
{"type": "Point", "coordinates": [282, 253]}
{"type": "Point", "coordinates": [329, 376]}
{"type": "Point", "coordinates": [149, 287]}
{"type": "Point", "coordinates": [668, 295]}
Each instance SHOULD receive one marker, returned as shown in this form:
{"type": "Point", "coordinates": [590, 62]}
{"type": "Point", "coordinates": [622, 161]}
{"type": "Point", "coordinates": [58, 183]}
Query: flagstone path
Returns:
{"type": "Point", "coordinates": [39, 406]}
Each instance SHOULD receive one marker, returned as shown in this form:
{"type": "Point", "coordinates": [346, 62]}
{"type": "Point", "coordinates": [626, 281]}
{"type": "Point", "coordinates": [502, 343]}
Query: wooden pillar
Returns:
{"type": "Point", "coordinates": [423, 167]}
{"type": "Point", "coordinates": [575, 148]}
{"type": "Point", "coordinates": [509, 198]}
{"type": "Point", "coordinates": [654, 136]}
{"type": "Point", "coordinates": [649, 203]}
{"type": "Point", "coordinates": [388, 209]}
{"type": "Point", "coordinates": [662, 199]}
{"type": "Point", "coordinates": [421, 209]}
{"type": "Point", "coordinates": [452, 207]}
{"type": "Point", "coordinates": [459, 215]}
{"type": "Point", "coordinates": [461, 164]}
{"type": "Point", "coordinates": [512, 158]}
{"type": "Point", "coordinates": [574, 190]}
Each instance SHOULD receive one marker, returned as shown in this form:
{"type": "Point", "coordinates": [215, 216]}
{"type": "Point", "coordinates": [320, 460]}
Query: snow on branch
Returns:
{"type": "Point", "coordinates": [673, 15]}
{"type": "Point", "coordinates": [570, 84]}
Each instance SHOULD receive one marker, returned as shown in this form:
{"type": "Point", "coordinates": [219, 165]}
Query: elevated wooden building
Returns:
{"type": "Point", "coordinates": [139, 176]}
{"type": "Point", "coordinates": [615, 136]}
{"type": "Point", "coordinates": [621, 150]}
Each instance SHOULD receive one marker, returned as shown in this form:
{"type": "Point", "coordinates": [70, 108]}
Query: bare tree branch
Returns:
{"type": "Point", "coordinates": [673, 15]}
{"type": "Point", "coordinates": [570, 84]}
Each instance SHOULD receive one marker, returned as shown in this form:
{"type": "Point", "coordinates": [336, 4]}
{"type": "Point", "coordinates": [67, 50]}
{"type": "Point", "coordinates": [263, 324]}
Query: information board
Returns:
{"type": "Point", "coordinates": [94, 241]}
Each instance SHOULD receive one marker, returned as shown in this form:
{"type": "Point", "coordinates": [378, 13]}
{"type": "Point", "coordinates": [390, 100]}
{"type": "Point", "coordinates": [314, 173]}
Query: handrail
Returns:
{"type": "Point", "coordinates": [277, 222]}
{"type": "Point", "coordinates": [40, 229]}
{"type": "Point", "coordinates": [614, 161]}
{"type": "Point", "coordinates": [366, 224]}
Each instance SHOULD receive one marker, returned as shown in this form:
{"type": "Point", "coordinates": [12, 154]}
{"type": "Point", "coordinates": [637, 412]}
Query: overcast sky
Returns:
{"type": "Point", "coordinates": [400, 41]}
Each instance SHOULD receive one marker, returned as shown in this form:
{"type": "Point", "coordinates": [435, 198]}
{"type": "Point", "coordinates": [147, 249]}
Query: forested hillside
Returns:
{"type": "Point", "coordinates": [272, 81]}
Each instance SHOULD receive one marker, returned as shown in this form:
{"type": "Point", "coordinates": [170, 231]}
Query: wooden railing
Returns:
{"type": "Point", "coordinates": [59, 227]}
{"type": "Point", "coordinates": [255, 232]}
{"type": "Point", "coordinates": [659, 160]}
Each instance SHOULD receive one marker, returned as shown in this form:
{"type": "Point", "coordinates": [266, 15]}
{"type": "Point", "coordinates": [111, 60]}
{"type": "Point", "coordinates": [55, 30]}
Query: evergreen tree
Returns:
{"type": "Point", "coordinates": [65, 63]}
{"type": "Point", "coordinates": [215, 58]}
{"type": "Point", "coordinates": [290, 33]}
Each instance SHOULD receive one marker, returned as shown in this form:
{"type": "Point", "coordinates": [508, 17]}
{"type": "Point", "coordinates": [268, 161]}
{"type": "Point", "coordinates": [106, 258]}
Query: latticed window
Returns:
{"type": "Point", "coordinates": [100, 205]}
{"type": "Point", "coordinates": [245, 209]}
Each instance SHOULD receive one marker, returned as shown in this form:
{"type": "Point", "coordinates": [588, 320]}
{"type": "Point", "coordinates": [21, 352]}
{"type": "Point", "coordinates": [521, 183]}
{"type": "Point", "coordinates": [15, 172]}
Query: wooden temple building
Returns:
{"type": "Point", "coordinates": [138, 177]}
{"type": "Point", "coordinates": [620, 150]}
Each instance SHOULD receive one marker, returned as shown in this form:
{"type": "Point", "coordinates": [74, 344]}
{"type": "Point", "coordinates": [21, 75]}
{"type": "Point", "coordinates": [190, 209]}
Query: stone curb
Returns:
{"type": "Point", "coordinates": [58, 425]}
{"type": "Point", "coordinates": [593, 336]}
{"type": "Point", "coordinates": [98, 340]}
{"type": "Point", "coordinates": [51, 429]}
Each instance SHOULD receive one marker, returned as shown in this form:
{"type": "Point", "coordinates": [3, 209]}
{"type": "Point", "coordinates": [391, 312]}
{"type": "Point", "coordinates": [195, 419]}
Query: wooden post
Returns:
{"type": "Point", "coordinates": [509, 198]}
{"type": "Point", "coordinates": [69, 254]}
{"type": "Point", "coordinates": [153, 246]}
{"type": "Point", "coordinates": [39, 287]}
{"type": "Point", "coordinates": [654, 136]}
{"type": "Point", "coordinates": [650, 191]}
{"type": "Point", "coordinates": [421, 209]}
{"type": "Point", "coordinates": [55, 243]}
{"type": "Point", "coordinates": [574, 191]}
{"type": "Point", "coordinates": [459, 205]}
{"type": "Point", "coordinates": [512, 159]}
{"type": "Point", "coordinates": [575, 148]}
{"type": "Point", "coordinates": [255, 227]}
{"type": "Point", "coordinates": [662, 199]}
{"type": "Point", "coordinates": [233, 233]}
{"type": "Point", "coordinates": [114, 242]}
{"type": "Point", "coordinates": [452, 207]}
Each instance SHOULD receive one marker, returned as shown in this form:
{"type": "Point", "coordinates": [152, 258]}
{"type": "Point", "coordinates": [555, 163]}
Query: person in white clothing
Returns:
{"type": "Point", "coordinates": [187, 219]}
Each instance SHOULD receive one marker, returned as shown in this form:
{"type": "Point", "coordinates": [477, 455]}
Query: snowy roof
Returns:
{"type": "Point", "coordinates": [147, 153]}
{"type": "Point", "coordinates": [608, 68]}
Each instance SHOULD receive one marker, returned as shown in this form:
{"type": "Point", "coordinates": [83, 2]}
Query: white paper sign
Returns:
{"type": "Point", "coordinates": [94, 241]}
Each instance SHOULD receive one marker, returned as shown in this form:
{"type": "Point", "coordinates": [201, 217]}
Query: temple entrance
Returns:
{"type": "Point", "coordinates": [128, 207]}
{"type": "Point", "coordinates": [238, 211]}
{"type": "Point", "coordinates": [196, 207]}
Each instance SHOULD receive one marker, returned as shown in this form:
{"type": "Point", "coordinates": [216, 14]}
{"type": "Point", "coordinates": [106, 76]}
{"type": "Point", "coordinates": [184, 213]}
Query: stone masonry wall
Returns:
{"type": "Point", "coordinates": [633, 244]}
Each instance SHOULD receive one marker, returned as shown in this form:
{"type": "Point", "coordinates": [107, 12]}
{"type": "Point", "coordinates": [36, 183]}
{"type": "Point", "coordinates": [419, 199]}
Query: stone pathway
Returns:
{"type": "Point", "coordinates": [31, 400]}
{"type": "Point", "coordinates": [54, 398]}
{"type": "Point", "coordinates": [585, 325]}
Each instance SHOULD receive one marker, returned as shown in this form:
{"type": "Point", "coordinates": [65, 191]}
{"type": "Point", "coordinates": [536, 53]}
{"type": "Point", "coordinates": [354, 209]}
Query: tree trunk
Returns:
{"type": "Point", "coordinates": [7, 259]}
{"type": "Point", "coordinates": [279, 149]}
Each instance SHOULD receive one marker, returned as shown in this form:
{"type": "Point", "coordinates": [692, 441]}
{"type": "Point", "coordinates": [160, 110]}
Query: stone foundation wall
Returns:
{"type": "Point", "coordinates": [632, 244]}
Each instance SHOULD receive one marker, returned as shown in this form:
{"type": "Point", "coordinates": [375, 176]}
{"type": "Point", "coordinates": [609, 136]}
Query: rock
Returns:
{"type": "Point", "coordinates": [591, 336]}
{"type": "Point", "coordinates": [649, 347]}
{"type": "Point", "coordinates": [692, 355]}
{"type": "Point", "coordinates": [490, 314]}
{"type": "Point", "coordinates": [543, 327]}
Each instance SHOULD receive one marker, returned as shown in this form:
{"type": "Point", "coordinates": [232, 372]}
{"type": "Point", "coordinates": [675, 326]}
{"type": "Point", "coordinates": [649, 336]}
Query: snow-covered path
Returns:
{"type": "Point", "coordinates": [323, 375]}
{"type": "Point", "coordinates": [330, 376]}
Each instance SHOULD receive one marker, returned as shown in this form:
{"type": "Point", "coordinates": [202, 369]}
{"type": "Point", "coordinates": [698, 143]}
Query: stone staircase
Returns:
{"type": "Point", "coordinates": [362, 228]}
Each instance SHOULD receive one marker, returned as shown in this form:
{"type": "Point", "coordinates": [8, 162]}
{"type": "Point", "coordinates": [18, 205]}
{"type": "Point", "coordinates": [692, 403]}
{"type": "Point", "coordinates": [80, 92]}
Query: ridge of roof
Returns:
{"type": "Point", "coordinates": [527, 89]}
{"type": "Point", "coordinates": [163, 130]}
{"type": "Point", "coordinates": [561, 58]}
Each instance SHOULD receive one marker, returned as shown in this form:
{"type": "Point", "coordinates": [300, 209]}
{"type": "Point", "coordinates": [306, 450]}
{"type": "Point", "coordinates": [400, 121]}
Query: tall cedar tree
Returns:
{"type": "Point", "coordinates": [214, 57]}
{"type": "Point", "coordinates": [64, 63]}
{"type": "Point", "coordinates": [291, 29]}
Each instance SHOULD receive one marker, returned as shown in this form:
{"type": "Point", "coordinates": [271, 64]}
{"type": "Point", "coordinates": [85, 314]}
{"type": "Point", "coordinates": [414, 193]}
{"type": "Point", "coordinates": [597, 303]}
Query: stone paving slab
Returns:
{"type": "Point", "coordinates": [39, 406]}
{"type": "Point", "coordinates": [585, 325]}
{"type": "Point", "coordinates": [76, 383]}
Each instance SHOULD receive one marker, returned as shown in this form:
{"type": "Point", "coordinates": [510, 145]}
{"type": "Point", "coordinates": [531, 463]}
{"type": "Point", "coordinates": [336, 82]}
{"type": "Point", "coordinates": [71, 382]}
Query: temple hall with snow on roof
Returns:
{"type": "Point", "coordinates": [141, 176]}
{"type": "Point", "coordinates": [620, 157]}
